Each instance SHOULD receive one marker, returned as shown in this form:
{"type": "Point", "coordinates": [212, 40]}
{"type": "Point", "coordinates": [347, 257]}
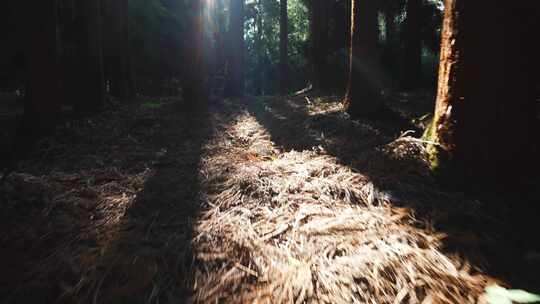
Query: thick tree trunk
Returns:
{"type": "Point", "coordinates": [484, 117]}
{"type": "Point", "coordinates": [116, 51]}
{"type": "Point", "coordinates": [43, 100]}
{"type": "Point", "coordinates": [412, 46]}
{"type": "Point", "coordinates": [363, 95]}
{"type": "Point", "coordinates": [235, 65]}
{"type": "Point", "coordinates": [319, 43]}
{"type": "Point", "coordinates": [88, 77]}
{"type": "Point", "coordinates": [283, 47]}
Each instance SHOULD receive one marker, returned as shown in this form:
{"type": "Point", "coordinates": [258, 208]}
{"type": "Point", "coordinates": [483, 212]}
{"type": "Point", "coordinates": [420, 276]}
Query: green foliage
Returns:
{"type": "Point", "coordinates": [152, 104]}
{"type": "Point", "coordinates": [263, 60]}
{"type": "Point", "coordinates": [499, 295]}
{"type": "Point", "coordinates": [160, 41]}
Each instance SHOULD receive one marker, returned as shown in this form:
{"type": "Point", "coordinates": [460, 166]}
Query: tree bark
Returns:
{"type": "Point", "coordinates": [9, 49]}
{"type": "Point", "coordinates": [283, 46]}
{"type": "Point", "coordinates": [194, 88]}
{"type": "Point", "coordinates": [319, 43]}
{"type": "Point", "coordinates": [390, 51]}
{"type": "Point", "coordinates": [484, 123]}
{"type": "Point", "coordinates": [43, 100]}
{"type": "Point", "coordinates": [412, 46]}
{"type": "Point", "coordinates": [363, 95]}
{"type": "Point", "coordinates": [235, 65]}
{"type": "Point", "coordinates": [259, 81]}
{"type": "Point", "coordinates": [220, 35]}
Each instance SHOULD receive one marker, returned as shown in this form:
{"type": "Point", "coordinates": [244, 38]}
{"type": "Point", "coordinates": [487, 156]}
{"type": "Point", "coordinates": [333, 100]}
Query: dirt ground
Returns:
{"type": "Point", "coordinates": [260, 200]}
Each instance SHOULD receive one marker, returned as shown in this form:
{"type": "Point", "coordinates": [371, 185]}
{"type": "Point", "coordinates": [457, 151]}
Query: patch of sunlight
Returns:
{"type": "Point", "coordinates": [326, 107]}
{"type": "Point", "coordinates": [496, 294]}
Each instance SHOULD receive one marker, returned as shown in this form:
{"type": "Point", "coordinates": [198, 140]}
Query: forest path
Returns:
{"type": "Point", "coordinates": [264, 199]}
{"type": "Point", "coordinates": [290, 221]}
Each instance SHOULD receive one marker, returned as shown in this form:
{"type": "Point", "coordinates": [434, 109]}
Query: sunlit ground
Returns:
{"type": "Point", "coordinates": [295, 226]}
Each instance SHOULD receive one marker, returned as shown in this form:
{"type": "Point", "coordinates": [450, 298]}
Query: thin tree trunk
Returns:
{"type": "Point", "coordinates": [117, 59]}
{"type": "Point", "coordinates": [319, 47]}
{"type": "Point", "coordinates": [259, 83]}
{"type": "Point", "coordinates": [220, 34]}
{"type": "Point", "coordinates": [235, 65]}
{"type": "Point", "coordinates": [89, 77]}
{"type": "Point", "coordinates": [412, 46]}
{"type": "Point", "coordinates": [283, 47]}
{"type": "Point", "coordinates": [391, 50]}
{"type": "Point", "coordinates": [390, 23]}
{"type": "Point", "coordinates": [363, 95]}
{"type": "Point", "coordinates": [450, 90]}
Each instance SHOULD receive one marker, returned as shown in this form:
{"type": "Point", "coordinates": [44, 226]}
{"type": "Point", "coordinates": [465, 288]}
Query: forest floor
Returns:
{"type": "Point", "coordinates": [264, 200]}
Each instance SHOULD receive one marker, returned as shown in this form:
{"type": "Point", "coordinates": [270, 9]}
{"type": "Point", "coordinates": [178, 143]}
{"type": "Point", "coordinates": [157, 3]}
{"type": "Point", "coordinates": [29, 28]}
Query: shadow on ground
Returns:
{"type": "Point", "coordinates": [488, 229]}
{"type": "Point", "coordinates": [150, 258]}
{"type": "Point", "coordinates": [110, 220]}
{"type": "Point", "coordinates": [108, 217]}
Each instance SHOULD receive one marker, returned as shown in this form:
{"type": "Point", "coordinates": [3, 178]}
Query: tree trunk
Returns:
{"type": "Point", "coordinates": [259, 81]}
{"type": "Point", "coordinates": [283, 47]}
{"type": "Point", "coordinates": [88, 75]}
{"type": "Point", "coordinates": [390, 28]}
{"type": "Point", "coordinates": [116, 52]}
{"type": "Point", "coordinates": [363, 95]}
{"type": "Point", "coordinates": [220, 35]}
{"type": "Point", "coordinates": [412, 47]}
{"type": "Point", "coordinates": [319, 46]}
{"type": "Point", "coordinates": [484, 123]}
{"type": "Point", "coordinates": [194, 91]}
{"type": "Point", "coordinates": [235, 65]}
{"type": "Point", "coordinates": [9, 49]}
{"type": "Point", "coordinates": [390, 52]}
{"type": "Point", "coordinates": [43, 100]}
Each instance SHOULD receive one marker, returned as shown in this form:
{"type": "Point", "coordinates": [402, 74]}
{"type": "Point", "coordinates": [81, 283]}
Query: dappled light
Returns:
{"type": "Point", "coordinates": [290, 225]}
{"type": "Point", "coordinates": [269, 151]}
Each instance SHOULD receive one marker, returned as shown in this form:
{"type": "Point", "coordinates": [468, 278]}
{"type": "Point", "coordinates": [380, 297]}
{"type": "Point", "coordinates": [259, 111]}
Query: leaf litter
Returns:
{"type": "Point", "coordinates": [265, 200]}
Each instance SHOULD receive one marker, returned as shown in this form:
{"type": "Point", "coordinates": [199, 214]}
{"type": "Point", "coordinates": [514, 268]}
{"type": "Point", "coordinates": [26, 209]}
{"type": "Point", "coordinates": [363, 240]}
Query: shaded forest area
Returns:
{"type": "Point", "coordinates": [269, 151]}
